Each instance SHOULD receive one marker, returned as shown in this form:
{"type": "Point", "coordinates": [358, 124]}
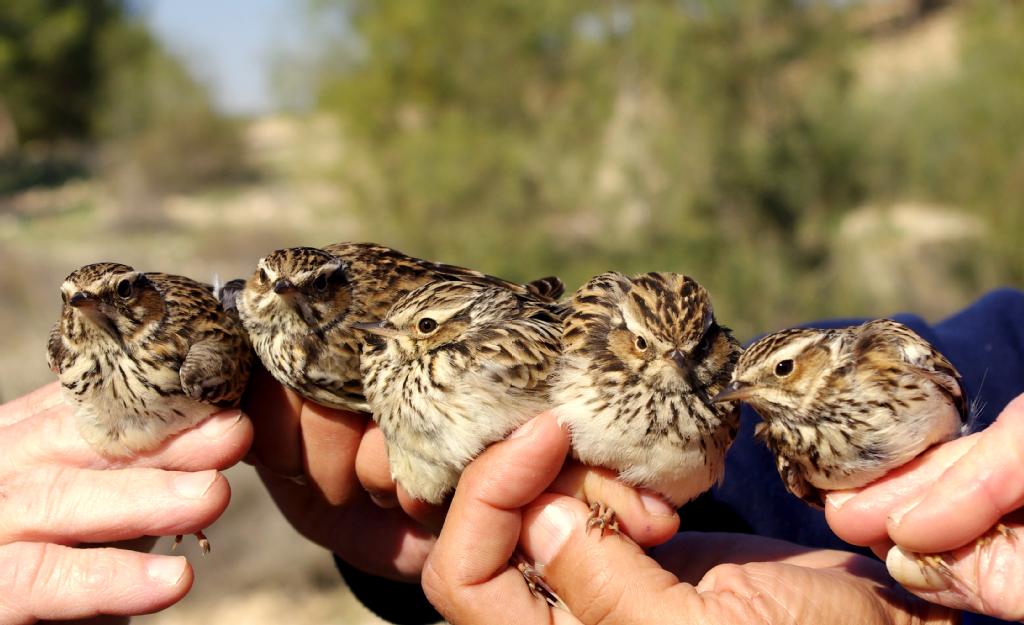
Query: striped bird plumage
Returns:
{"type": "Point", "coordinates": [452, 367]}
{"type": "Point", "coordinates": [842, 407]}
{"type": "Point", "coordinates": [300, 305]}
{"type": "Point", "coordinates": [642, 358]}
{"type": "Point", "coordinates": [144, 355]}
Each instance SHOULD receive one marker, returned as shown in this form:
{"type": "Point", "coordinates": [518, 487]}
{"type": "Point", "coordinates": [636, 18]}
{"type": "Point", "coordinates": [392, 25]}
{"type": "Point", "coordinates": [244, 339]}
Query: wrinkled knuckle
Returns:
{"type": "Point", "coordinates": [24, 570]}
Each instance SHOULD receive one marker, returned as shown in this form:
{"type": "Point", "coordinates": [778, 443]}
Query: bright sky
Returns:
{"type": "Point", "coordinates": [228, 44]}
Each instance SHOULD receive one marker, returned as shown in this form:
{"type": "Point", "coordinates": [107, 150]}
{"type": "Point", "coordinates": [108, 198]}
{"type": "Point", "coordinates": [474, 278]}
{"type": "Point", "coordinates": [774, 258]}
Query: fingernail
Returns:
{"type": "Point", "coordinates": [523, 429]}
{"type": "Point", "coordinates": [896, 514]}
{"type": "Point", "coordinates": [548, 531]}
{"type": "Point", "coordinates": [166, 569]}
{"type": "Point", "coordinates": [383, 499]}
{"type": "Point", "coordinates": [194, 485]}
{"type": "Point", "coordinates": [838, 498]}
{"type": "Point", "coordinates": [655, 505]}
{"type": "Point", "coordinates": [913, 571]}
{"type": "Point", "coordinates": [218, 424]}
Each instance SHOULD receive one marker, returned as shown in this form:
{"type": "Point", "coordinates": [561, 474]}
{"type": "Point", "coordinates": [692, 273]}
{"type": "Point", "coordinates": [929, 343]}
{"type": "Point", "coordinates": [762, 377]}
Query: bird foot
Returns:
{"type": "Point", "coordinates": [603, 517]}
{"type": "Point", "coordinates": [538, 587]}
{"type": "Point", "coordinates": [204, 542]}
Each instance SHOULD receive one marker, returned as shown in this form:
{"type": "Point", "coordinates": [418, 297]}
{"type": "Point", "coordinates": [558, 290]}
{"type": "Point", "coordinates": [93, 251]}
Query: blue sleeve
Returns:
{"type": "Point", "coordinates": [986, 344]}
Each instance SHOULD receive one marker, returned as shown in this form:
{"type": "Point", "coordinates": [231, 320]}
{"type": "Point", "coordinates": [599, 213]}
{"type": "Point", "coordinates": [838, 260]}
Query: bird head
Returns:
{"type": "Point", "coordinates": [299, 285]}
{"type": "Point", "coordinates": [109, 302]}
{"type": "Point", "coordinates": [657, 327]}
{"type": "Point", "coordinates": [436, 314]}
{"type": "Point", "coordinates": [777, 373]}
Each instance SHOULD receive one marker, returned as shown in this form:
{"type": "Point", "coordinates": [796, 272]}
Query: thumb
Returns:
{"type": "Point", "coordinates": [610, 580]}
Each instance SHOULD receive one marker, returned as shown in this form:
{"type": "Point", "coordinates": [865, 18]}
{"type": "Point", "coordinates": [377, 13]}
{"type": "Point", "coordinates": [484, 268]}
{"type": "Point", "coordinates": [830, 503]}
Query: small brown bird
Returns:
{"type": "Point", "coordinates": [642, 358]}
{"type": "Point", "coordinates": [843, 407]}
{"type": "Point", "coordinates": [453, 367]}
{"type": "Point", "coordinates": [143, 356]}
{"type": "Point", "coordinates": [300, 305]}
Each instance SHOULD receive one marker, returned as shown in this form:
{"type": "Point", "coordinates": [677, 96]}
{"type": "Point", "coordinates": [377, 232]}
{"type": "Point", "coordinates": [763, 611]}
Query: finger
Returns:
{"type": "Point", "coordinates": [45, 581]}
{"type": "Point", "coordinates": [372, 468]}
{"type": "Point", "coordinates": [988, 481]}
{"type": "Point", "coordinates": [428, 515]}
{"type": "Point", "coordinates": [467, 574]}
{"type": "Point", "coordinates": [644, 516]}
{"type": "Point", "coordinates": [275, 412]}
{"type": "Point", "coordinates": [860, 516]}
{"type": "Point", "coordinates": [330, 442]}
{"type": "Point", "coordinates": [41, 400]}
{"type": "Point", "coordinates": [613, 581]}
{"type": "Point", "coordinates": [82, 505]}
{"type": "Point", "coordinates": [691, 555]}
{"type": "Point", "coordinates": [980, 578]}
{"type": "Point", "coordinates": [382, 542]}
{"type": "Point", "coordinates": [216, 443]}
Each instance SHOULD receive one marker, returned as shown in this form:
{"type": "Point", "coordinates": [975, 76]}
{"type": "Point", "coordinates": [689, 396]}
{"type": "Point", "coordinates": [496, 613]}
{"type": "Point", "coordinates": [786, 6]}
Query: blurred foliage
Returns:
{"type": "Point", "coordinates": [157, 121]}
{"type": "Point", "coordinates": [960, 139]}
{"type": "Point", "coordinates": [90, 74]}
{"type": "Point", "coordinates": [703, 137]}
{"type": "Point", "coordinates": [728, 140]}
{"type": "Point", "coordinates": [49, 67]}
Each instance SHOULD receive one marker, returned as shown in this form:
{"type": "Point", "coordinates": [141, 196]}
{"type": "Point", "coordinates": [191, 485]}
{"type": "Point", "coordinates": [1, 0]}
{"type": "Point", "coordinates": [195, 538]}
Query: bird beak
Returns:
{"type": "Point", "coordinates": [736, 390]}
{"type": "Point", "coordinates": [283, 287]}
{"type": "Point", "coordinates": [81, 299]}
{"type": "Point", "coordinates": [682, 360]}
{"type": "Point", "coordinates": [378, 328]}
{"type": "Point", "coordinates": [89, 306]}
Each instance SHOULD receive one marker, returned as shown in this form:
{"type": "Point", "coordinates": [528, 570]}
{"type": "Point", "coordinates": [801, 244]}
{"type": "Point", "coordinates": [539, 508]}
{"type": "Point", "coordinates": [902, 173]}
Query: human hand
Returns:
{"type": "Point", "coordinates": [942, 502]}
{"type": "Point", "coordinates": [57, 494]}
{"type": "Point", "coordinates": [500, 503]}
{"type": "Point", "coordinates": [328, 472]}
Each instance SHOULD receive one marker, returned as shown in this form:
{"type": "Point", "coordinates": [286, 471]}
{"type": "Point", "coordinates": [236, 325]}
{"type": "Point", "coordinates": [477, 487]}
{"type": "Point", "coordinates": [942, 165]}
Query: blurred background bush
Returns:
{"type": "Point", "coordinates": [802, 159]}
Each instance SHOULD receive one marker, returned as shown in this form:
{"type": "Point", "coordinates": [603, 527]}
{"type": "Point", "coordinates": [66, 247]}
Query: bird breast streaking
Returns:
{"type": "Point", "coordinates": [643, 356]}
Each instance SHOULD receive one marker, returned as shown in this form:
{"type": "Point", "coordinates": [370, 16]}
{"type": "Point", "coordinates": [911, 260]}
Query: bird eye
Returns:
{"type": "Point", "coordinates": [320, 284]}
{"type": "Point", "coordinates": [641, 343]}
{"type": "Point", "coordinates": [784, 368]}
{"type": "Point", "coordinates": [263, 275]}
{"type": "Point", "coordinates": [427, 325]}
{"type": "Point", "coordinates": [124, 289]}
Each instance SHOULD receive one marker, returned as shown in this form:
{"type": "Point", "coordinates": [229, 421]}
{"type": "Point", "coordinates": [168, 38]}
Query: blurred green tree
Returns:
{"type": "Point", "coordinates": [694, 136]}
{"type": "Point", "coordinates": [959, 139]}
{"type": "Point", "coordinates": [50, 75]}
{"type": "Point", "coordinates": [83, 75]}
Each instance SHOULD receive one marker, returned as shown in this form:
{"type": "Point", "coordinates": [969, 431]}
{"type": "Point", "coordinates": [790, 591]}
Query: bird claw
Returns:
{"type": "Point", "coordinates": [603, 517]}
{"type": "Point", "coordinates": [538, 587]}
{"type": "Point", "coordinates": [204, 542]}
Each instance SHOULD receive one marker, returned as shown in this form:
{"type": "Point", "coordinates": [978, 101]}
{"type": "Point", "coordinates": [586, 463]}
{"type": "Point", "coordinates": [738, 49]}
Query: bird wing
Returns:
{"type": "Point", "coordinates": [519, 352]}
{"type": "Point", "coordinates": [395, 273]}
{"type": "Point", "coordinates": [792, 474]}
{"type": "Point", "coordinates": [55, 350]}
{"type": "Point", "coordinates": [901, 344]}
